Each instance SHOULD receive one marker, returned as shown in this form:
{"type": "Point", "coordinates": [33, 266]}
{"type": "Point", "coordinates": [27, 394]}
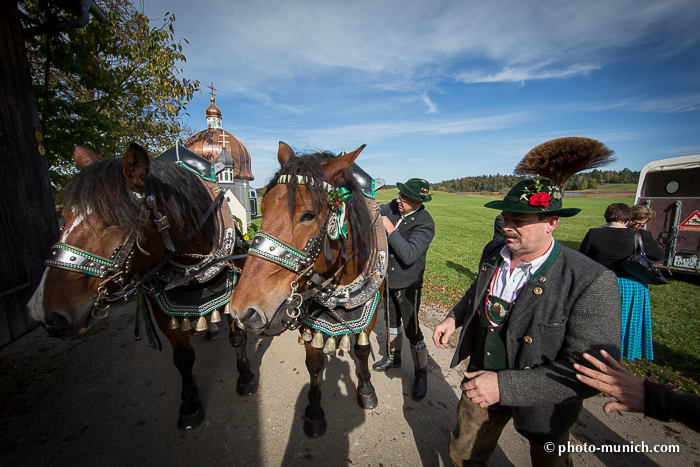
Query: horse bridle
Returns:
{"type": "Point", "coordinates": [269, 248]}
{"type": "Point", "coordinates": [117, 266]}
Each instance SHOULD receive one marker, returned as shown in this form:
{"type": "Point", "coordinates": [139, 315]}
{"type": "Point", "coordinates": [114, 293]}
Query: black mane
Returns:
{"type": "Point", "coordinates": [100, 189]}
{"type": "Point", "coordinates": [358, 217]}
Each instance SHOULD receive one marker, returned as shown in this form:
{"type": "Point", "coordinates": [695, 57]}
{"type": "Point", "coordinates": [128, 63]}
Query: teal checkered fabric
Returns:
{"type": "Point", "coordinates": [636, 320]}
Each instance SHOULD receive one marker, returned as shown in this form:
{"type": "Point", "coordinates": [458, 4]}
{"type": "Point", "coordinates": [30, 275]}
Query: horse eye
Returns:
{"type": "Point", "coordinates": [308, 216]}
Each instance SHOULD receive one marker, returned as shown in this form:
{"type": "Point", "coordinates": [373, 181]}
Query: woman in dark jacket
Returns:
{"type": "Point", "coordinates": [611, 245]}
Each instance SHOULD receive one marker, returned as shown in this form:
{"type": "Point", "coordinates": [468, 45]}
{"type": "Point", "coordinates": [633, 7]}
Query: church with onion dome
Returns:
{"type": "Point", "coordinates": [230, 157]}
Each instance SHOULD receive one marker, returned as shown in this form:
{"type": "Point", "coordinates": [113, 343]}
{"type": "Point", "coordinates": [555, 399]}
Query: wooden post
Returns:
{"type": "Point", "coordinates": [28, 223]}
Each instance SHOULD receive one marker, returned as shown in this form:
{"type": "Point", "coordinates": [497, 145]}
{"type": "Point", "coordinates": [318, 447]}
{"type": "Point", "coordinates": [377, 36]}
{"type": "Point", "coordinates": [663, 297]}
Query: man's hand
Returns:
{"type": "Point", "coordinates": [482, 387]}
{"type": "Point", "coordinates": [443, 331]}
{"type": "Point", "coordinates": [614, 381]}
{"type": "Point", "coordinates": [388, 226]}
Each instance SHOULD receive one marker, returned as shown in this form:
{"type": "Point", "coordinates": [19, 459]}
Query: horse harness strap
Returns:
{"type": "Point", "coordinates": [363, 289]}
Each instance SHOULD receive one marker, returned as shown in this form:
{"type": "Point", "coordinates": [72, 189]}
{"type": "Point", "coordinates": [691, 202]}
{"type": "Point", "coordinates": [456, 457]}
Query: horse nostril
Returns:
{"type": "Point", "coordinates": [252, 318]}
{"type": "Point", "coordinates": [57, 321]}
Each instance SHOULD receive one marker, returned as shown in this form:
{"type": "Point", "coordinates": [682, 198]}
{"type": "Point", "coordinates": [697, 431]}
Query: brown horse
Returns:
{"type": "Point", "coordinates": [114, 234]}
{"type": "Point", "coordinates": [301, 269]}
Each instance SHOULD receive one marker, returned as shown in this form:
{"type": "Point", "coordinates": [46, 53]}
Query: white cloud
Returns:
{"type": "Point", "coordinates": [432, 108]}
{"type": "Point", "coordinates": [260, 46]}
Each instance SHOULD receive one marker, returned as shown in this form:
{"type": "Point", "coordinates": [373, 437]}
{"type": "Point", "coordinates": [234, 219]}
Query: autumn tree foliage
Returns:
{"type": "Point", "coordinates": [104, 85]}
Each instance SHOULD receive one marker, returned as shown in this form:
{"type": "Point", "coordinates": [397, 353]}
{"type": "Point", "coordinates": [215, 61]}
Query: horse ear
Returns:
{"type": "Point", "coordinates": [337, 167]}
{"type": "Point", "coordinates": [284, 153]}
{"type": "Point", "coordinates": [83, 156]}
{"type": "Point", "coordinates": [135, 167]}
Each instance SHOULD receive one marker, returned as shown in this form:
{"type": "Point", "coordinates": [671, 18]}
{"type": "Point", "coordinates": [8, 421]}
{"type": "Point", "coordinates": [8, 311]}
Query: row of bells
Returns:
{"type": "Point", "coordinates": [186, 324]}
{"type": "Point", "coordinates": [317, 341]}
{"type": "Point", "coordinates": [316, 338]}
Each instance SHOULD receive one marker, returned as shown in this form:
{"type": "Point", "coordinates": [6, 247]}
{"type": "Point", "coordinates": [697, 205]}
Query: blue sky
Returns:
{"type": "Point", "coordinates": [445, 89]}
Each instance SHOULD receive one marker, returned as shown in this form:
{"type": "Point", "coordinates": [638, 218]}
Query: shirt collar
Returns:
{"type": "Point", "coordinates": [533, 265]}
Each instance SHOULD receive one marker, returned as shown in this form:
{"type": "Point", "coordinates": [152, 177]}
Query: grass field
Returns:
{"type": "Point", "coordinates": [462, 228]}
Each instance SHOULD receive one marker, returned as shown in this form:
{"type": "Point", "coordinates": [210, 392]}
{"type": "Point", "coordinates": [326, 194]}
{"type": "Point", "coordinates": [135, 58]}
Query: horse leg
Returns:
{"type": "Point", "coordinates": [247, 384]}
{"type": "Point", "coordinates": [314, 418]}
{"type": "Point", "coordinates": [366, 395]}
{"type": "Point", "coordinates": [191, 409]}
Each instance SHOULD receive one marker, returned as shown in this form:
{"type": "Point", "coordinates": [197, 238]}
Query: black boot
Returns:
{"type": "Point", "coordinates": [420, 384]}
{"type": "Point", "coordinates": [420, 362]}
{"type": "Point", "coordinates": [393, 360]}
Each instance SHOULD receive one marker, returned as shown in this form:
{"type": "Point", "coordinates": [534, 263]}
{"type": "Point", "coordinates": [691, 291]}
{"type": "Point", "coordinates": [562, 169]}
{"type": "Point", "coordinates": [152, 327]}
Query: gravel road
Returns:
{"type": "Point", "coordinates": [109, 401]}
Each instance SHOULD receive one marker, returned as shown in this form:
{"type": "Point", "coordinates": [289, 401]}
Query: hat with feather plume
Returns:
{"type": "Point", "coordinates": [557, 160]}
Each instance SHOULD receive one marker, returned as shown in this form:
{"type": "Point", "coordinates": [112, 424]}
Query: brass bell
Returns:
{"type": "Point", "coordinates": [215, 316]}
{"type": "Point", "coordinates": [227, 309]}
{"type": "Point", "coordinates": [306, 335]}
{"type": "Point", "coordinates": [362, 339]}
{"type": "Point", "coordinates": [201, 324]}
{"type": "Point", "coordinates": [329, 348]}
{"type": "Point", "coordinates": [174, 324]}
{"type": "Point", "coordinates": [317, 341]}
{"type": "Point", "coordinates": [345, 343]}
{"type": "Point", "coordinates": [185, 325]}
{"type": "Point", "coordinates": [301, 340]}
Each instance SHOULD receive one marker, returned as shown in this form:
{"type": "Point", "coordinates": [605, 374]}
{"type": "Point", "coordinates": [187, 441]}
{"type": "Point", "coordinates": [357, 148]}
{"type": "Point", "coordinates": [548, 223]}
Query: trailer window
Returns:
{"type": "Point", "coordinates": [672, 184]}
{"type": "Point", "coordinates": [672, 187]}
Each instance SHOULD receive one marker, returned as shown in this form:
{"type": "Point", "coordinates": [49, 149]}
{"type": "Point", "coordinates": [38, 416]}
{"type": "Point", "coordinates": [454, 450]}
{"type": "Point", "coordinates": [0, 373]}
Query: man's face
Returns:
{"type": "Point", "coordinates": [526, 235]}
{"type": "Point", "coordinates": [407, 204]}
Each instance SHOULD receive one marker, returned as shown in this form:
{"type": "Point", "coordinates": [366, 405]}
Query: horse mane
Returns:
{"type": "Point", "coordinates": [309, 166]}
{"type": "Point", "coordinates": [100, 189]}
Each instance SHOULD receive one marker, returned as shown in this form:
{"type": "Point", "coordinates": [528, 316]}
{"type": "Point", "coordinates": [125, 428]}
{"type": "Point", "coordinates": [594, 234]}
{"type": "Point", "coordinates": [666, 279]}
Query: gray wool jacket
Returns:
{"type": "Point", "coordinates": [568, 307]}
{"type": "Point", "coordinates": [408, 245]}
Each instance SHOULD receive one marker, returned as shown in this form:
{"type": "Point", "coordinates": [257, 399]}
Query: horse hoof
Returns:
{"type": "Point", "coordinates": [211, 336]}
{"type": "Point", "coordinates": [246, 388]}
{"type": "Point", "coordinates": [314, 428]}
{"type": "Point", "coordinates": [187, 422]}
{"type": "Point", "coordinates": [367, 401]}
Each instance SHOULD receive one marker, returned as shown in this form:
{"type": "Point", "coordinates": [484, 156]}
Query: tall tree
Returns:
{"type": "Point", "coordinates": [104, 85]}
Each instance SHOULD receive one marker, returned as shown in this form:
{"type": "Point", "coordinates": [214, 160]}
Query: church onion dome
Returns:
{"type": "Point", "coordinates": [209, 144]}
{"type": "Point", "coordinates": [213, 110]}
{"type": "Point", "coordinates": [225, 159]}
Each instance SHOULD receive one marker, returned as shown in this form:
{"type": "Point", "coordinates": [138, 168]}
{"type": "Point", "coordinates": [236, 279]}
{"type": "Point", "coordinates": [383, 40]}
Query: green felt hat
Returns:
{"type": "Point", "coordinates": [417, 189]}
{"type": "Point", "coordinates": [534, 195]}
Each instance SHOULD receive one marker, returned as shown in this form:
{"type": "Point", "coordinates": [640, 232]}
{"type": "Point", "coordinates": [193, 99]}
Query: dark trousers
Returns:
{"type": "Point", "coordinates": [404, 305]}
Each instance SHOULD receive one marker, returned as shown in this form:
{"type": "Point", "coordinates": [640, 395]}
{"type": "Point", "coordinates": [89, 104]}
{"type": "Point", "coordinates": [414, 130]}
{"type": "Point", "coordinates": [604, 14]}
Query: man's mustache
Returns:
{"type": "Point", "coordinates": [514, 235]}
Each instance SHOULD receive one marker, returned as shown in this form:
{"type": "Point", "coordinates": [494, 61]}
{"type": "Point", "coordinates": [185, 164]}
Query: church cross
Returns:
{"type": "Point", "coordinates": [223, 138]}
{"type": "Point", "coordinates": [211, 89]}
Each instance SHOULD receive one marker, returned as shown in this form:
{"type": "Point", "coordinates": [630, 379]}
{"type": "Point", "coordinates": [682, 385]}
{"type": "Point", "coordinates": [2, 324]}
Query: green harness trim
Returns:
{"type": "Point", "coordinates": [74, 259]}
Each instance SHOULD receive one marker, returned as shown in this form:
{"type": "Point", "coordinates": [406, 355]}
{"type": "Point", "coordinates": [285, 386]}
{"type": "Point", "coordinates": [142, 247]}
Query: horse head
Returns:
{"type": "Point", "coordinates": [109, 236]}
{"type": "Point", "coordinates": [291, 242]}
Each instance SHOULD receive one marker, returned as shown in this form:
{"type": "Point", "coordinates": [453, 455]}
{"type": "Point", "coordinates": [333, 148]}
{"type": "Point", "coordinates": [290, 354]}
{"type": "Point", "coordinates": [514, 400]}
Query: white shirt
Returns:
{"type": "Point", "coordinates": [403, 216]}
{"type": "Point", "coordinates": [506, 284]}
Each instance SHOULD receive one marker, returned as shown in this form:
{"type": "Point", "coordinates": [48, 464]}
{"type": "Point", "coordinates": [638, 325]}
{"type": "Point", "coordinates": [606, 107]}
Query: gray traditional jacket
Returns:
{"type": "Point", "coordinates": [408, 245]}
{"type": "Point", "coordinates": [569, 308]}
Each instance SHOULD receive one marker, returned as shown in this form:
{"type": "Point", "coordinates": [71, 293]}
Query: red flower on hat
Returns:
{"type": "Point", "coordinates": [540, 199]}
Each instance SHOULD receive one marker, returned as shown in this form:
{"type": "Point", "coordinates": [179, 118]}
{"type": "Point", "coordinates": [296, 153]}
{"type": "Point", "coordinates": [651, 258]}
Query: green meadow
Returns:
{"type": "Point", "coordinates": [462, 228]}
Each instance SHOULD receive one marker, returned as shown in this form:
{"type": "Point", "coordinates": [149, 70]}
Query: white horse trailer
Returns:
{"type": "Point", "coordinates": [671, 187]}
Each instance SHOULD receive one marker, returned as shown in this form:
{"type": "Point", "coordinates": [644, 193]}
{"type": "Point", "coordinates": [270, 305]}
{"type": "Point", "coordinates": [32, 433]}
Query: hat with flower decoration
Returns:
{"type": "Point", "coordinates": [557, 160]}
{"type": "Point", "coordinates": [534, 195]}
{"type": "Point", "coordinates": [417, 189]}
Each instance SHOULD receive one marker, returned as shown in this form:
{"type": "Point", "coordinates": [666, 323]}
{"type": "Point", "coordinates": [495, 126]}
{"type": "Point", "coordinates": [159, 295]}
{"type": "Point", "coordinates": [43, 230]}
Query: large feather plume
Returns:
{"type": "Point", "coordinates": [559, 159]}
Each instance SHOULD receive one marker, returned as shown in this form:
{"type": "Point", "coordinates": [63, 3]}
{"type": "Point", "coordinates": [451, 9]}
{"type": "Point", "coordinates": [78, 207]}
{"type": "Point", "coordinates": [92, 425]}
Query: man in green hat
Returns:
{"type": "Point", "coordinates": [410, 229]}
{"type": "Point", "coordinates": [535, 307]}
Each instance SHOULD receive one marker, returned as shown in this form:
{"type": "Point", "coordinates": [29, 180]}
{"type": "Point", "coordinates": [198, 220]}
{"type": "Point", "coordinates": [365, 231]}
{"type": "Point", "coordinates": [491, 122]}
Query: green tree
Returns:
{"type": "Point", "coordinates": [104, 85]}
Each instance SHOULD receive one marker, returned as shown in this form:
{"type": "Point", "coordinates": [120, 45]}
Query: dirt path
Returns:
{"type": "Point", "coordinates": [109, 401]}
